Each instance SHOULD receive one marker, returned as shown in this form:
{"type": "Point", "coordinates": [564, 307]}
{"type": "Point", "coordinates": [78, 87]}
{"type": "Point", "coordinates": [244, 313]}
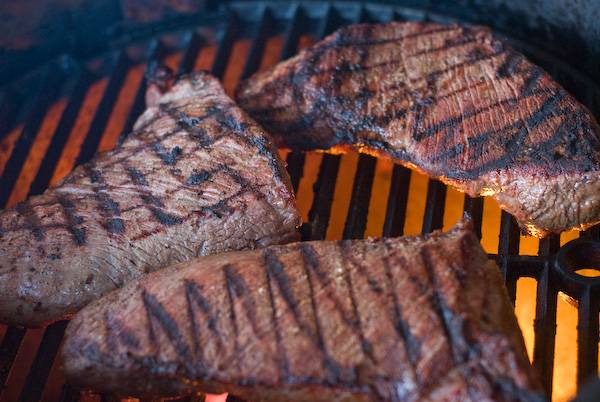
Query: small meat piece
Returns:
{"type": "Point", "coordinates": [451, 101]}
{"type": "Point", "coordinates": [196, 177]}
{"type": "Point", "coordinates": [404, 319]}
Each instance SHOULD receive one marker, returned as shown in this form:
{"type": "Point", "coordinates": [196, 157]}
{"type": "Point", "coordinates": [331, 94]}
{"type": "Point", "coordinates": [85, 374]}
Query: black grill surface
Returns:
{"type": "Point", "coordinates": [69, 78]}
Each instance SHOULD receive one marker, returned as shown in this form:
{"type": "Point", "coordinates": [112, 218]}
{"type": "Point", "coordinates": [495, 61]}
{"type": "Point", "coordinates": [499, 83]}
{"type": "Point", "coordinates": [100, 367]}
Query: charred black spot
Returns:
{"type": "Point", "coordinates": [73, 220]}
{"type": "Point", "coordinates": [510, 65]}
{"type": "Point", "coordinates": [197, 177]}
{"type": "Point", "coordinates": [137, 176]}
{"type": "Point", "coordinates": [94, 175]}
{"type": "Point", "coordinates": [32, 222]}
{"type": "Point", "coordinates": [107, 205]}
{"type": "Point", "coordinates": [78, 236]}
{"type": "Point", "coordinates": [165, 218]}
{"type": "Point", "coordinates": [150, 199]}
{"type": "Point", "coordinates": [276, 270]}
{"type": "Point", "coordinates": [168, 157]}
{"type": "Point", "coordinates": [115, 225]}
{"type": "Point", "coordinates": [157, 313]}
{"type": "Point", "coordinates": [532, 80]}
{"type": "Point", "coordinates": [53, 257]}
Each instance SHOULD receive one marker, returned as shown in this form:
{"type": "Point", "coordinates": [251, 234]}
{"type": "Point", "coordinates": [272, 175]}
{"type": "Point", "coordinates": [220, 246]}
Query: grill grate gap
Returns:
{"type": "Point", "coordinates": [157, 52]}
{"type": "Point", "coordinates": [47, 93]}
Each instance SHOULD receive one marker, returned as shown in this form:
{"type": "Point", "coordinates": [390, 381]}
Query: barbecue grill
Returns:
{"type": "Point", "coordinates": [72, 82]}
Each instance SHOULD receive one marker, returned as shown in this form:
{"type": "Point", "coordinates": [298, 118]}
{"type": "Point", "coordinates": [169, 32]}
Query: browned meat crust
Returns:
{"type": "Point", "coordinates": [452, 101]}
{"type": "Point", "coordinates": [405, 319]}
{"type": "Point", "coordinates": [196, 177]}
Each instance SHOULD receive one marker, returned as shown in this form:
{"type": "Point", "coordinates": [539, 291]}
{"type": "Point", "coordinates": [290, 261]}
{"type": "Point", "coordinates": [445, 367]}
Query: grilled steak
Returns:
{"type": "Point", "coordinates": [404, 319]}
{"type": "Point", "coordinates": [196, 177]}
{"type": "Point", "coordinates": [451, 101]}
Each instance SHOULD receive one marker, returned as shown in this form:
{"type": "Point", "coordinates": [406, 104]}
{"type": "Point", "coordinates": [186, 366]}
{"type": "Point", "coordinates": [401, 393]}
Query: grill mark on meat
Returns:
{"type": "Point", "coordinates": [168, 157]}
{"type": "Point", "coordinates": [532, 80]}
{"type": "Point", "coordinates": [32, 222]}
{"type": "Point", "coordinates": [354, 68]}
{"type": "Point", "coordinates": [136, 176]}
{"type": "Point", "coordinates": [231, 125]}
{"type": "Point", "coordinates": [73, 220]}
{"type": "Point", "coordinates": [325, 282]}
{"type": "Point", "coordinates": [117, 332]}
{"type": "Point", "coordinates": [451, 323]}
{"type": "Point", "coordinates": [510, 65]}
{"type": "Point", "coordinates": [340, 39]}
{"type": "Point", "coordinates": [365, 345]}
{"type": "Point", "coordinates": [237, 288]}
{"type": "Point", "coordinates": [346, 247]}
{"type": "Point", "coordinates": [109, 208]}
{"type": "Point", "coordinates": [161, 216]}
{"type": "Point", "coordinates": [375, 122]}
{"type": "Point", "coordinates": [284, 365]}
{"type": "Point", "coordinates": [111, 341]}
{"type": "Point", "coordinates": [421, 105]}
{"type": "Point", "coordinates": [451, 122]}
{"type": "Point", "coordinates": [153, 203]}
{"type": "Point", "coordinates": [397, 85]}
{"type": "Point", "coordinates": [311, 263]}
{"type": "Point", "coordinates": [276, 270]}
{"type": "Point", "coordinates": [197, 177]}
{"type": "Point", "coordinates": [411, 345]}
{"type": "Point", "coordinates": [513, 145]}
{"type": "Point", "coordinates": [156, 312]}
{"type": "Point", "coordinates": [194, 296]}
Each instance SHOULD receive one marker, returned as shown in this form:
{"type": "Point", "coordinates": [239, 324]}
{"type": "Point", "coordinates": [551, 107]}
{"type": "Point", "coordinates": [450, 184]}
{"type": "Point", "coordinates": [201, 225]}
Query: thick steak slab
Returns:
{"type": "Point", "coordinates": [451, 101]}
{"type": "Point", "coordinates": [196, 177]}
{"type": "Point", "coordinates": [404, 319]}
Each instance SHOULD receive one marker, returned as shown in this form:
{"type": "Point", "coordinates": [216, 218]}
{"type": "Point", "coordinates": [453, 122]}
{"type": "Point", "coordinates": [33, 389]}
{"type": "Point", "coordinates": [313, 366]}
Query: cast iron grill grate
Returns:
{"type": "Point", "coordinates": [28, 368]}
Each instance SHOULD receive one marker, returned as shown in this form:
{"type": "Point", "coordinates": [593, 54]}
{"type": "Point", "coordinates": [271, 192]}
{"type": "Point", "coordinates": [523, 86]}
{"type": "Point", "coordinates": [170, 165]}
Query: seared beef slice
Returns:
{"type": "Point", "coordinates": [452, 101]}
{"type": "Point", "coordinates": [404, 319]}
{"type": "Point", "coordinates": [196, 177]}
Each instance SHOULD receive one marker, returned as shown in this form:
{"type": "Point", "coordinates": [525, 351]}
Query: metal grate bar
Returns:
{"type": "Point", "coordinates": [259, 40]}
{"type": "Point", "coordinates": [544, 327]}
{"type": "Point", "coordinates": [61, 134]}
{"type": "Point", "coordinates": [8, 352]}
{"type": "Point", "coordinates": [40, 368]}
{"type": "Point", "coordinates": [509, 245]}
{"type": "Point", "coordinates": [293, 31]}
{"type": "Point", "coordinates": [327, 24]}
{"type": "Point", "coordinates": [225, 44]}
{"type": "Point", "coordinates": [433, 218]}
{"type": "Point", "coordinates": [100, 120]}
{"type": "Point", "coordinates": [356, 220]}
{"type": "Point", "coordinates": [47, 93]}
{"type": "Point", "coordinates": [190, 54]}
{"type": "Point", "coordinates": [9, 104]}
{"type": "Point", "coordinates": [474, 207]}
{"type": "Point", "coordinates": [549, 245]}
{"type": "Point", "coordinates": [587, 337]}
{"type": "Point", "coordinates": [295, 160]}
{"type": "Point", "coordinates": [324, 187]}
{"type": "Point", "coordinates": [592, 233]}
{"type": "Point", "coordinates": [157, 51]}
{"type": "Point", "coordinates": [68, 394]}
{"type": "Point", "coordinates": [397, 202]}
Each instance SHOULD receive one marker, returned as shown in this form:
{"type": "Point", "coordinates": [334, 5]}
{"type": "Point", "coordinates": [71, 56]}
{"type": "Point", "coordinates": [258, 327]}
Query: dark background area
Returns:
{"type": "Point", "coordinates": [34, 31]}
